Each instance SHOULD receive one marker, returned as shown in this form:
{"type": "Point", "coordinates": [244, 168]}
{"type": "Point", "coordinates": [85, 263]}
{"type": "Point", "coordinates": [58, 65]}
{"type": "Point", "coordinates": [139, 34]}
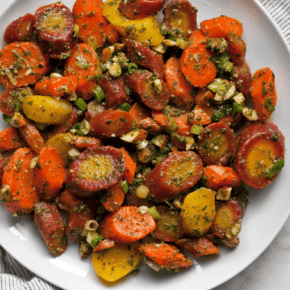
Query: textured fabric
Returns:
{"type": "Point", "coordinates": [13, 276]}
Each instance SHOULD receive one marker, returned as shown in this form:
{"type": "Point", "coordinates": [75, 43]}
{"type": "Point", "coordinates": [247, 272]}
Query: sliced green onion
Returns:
{"type": "Point", "coordinates": [275, 168]}
{"type": "Point", "coordinates": [237, 108]}
{"type": "Point", "coordinates": [125, 186]}
{"type": "Point", "coordinates": [154, 212]}
{"type": "Point", "coordinates": [96, 77]}
{"type": "Point", "coordinates": [132, 67]}
{"type": "Point", "coordinates": [93, 238]}
{"type": "Point", "coordinates": [196, 129]}
{"type": "Point", "coordinates": [81, 104]}
{"type": "Point", "coordinates": [125, 107]}
{"type": "Point", "coordinates": [98, 94]}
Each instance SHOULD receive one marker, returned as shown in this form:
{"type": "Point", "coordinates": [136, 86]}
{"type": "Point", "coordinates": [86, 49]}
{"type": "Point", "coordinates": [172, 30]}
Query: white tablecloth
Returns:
{"type": "Point", "coordinates": [13, 276]}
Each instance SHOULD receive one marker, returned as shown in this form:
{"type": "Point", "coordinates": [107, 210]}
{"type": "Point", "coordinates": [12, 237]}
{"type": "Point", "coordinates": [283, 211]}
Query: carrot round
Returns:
{"type": "Point", "coordinates": [139, 112]}
{"type": "Point", "coordinates": [263, 92]}
{"type": "Point", "coordinates": [199, 117]}
{"type": "Point", "coordinates": [10, 139]}
{"type": "Point", "coordinates": [85, 142]}
{"type": "Point", "coordinates": [195, 61]}
{"type": "Point", "coordinates": [83, 64]}
{"type": "Point", "coordinates": [130, 167]}
{"type": "Point", "coordinates": [32, 136]}
{"type": "Point", "coordinates": [177, 85]}
{"type": "Point", "coordinates": [165, 255]}
{"type": "Point", "coordinates": [30, 66]}
{"type": "Point", "coordinates": [68, 201]}
{"type": "Point", "coordinates": [127, 225]}
{"type": "Point", "coordinates": [104, 245]}
{"type": "Point", "coordinates": [114, 197]}
{"type": "Point", "coordinates": [88, 15]}
{"type": "Point", "coordinates": [221, 26]}
{"type": "Point", "coordinates": [19, 176]}
{"type": "Point", "coordinates": [50, 173]}
{"type": "Point", "coordinates": [215, 176]}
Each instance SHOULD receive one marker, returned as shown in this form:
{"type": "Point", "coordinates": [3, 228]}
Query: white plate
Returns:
{"type": "Point", "coordinates": [265, 215]}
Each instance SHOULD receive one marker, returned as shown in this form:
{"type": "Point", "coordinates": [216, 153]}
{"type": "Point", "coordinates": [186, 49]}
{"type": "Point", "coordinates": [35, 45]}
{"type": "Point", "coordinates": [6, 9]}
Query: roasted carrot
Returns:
{"type": "Point", "coordinates": [104, 245]}
{"type": "Point", "coordinates": [216, 176]}
{"type": "Point", "coordinates": [32, 136]}
{"type": "Point", "coordinates": [178, 86]}
{"type": "Point", "coordinates": [130, 167]}
{"type": "Point", "coordinates": [68, 201]}
{"type": "Point", "coordinates": [199, 117]}
{"type": "Point", "coordinates": [10, 139]}
{"type": "Point", "coordinates": [166, 256]}
{"type": "Point", "coordinates": [30, 65]}
{"type": "Point", "coordinates": [149, 125]}
{"type": "Point", "coordinates": [195, 61]}
{"type": "Point", "coordinates": [82, 65]}
{"type": "Point", "coordinates": [139, 112]}
{"type": "Point", "coordinates": [9, 102]}
{"type": "Point", "coordinates": [126, 225]}
{"type": "Point", "coordinates": [51, 227]}
{"type": "Point", "coordinates": [56, 87]}
{"type": "Point", "coordinates": [19, 177]}
{"type": "Point", "coordinates": [263, 92]}
{"type": "Point", "coordinates": [198, 246]}
{"type": "Point", "coordinates": [20, 29]}
{"type": "Point", "coordinates": [49, 173]}
{"type": "Point", "coordinates": [88, 15]}
{"type": "Point", "coordinates": [112, 34]}
{"type": "Point", "coordinates": [237, 48]}
{"type": "Point", "coordinates": [85, 142]}
{"type": "Point", "coordinates": [114, 197]}
{"type": "Point", "coordinates": [221, 26]}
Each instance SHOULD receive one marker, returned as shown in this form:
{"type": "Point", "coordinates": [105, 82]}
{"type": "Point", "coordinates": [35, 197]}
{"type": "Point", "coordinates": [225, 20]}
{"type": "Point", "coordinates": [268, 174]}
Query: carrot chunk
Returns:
{"type": "Point", "coordinates": [263, 92]}
{"type": "Point", "coordinates": [30, 66]}
{"type": "Point", "coordinates": [50, 173]}
{"type": "Point", "coordinates": [195, 61]}
{"type": "Point", "coordinates": [112, 35]}
{"type": "Point", "coordinates": [166, 256]}
{"type": "Point", "coordinates": [10, 139]}
{"type": "Point", "coordinates": [126, 225]}
{"type": "Point", "coordinates": [19, 176]}
{"type": "Point", "coordinates": [130, 167]}
{"type": "Point", "coordinates": [114, 197]}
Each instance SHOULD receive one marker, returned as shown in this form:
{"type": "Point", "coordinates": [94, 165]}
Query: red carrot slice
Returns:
{"type": "Point", "coordinates": [114, 197]}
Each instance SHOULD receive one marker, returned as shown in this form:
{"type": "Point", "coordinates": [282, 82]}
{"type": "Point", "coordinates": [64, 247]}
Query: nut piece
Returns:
{"type": "Point", "coordinates": [135, 136]}
{"type": "Point", "coordinates": [224, 193]}
{"type": "Point", "coordinates": [233, 230]}
{"type": "Point", "coordinates": [250, 115]}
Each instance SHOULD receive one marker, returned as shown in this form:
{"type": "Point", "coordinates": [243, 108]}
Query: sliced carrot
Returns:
{"type": "Point", "coordinates": [9, 102]}
{"type": "Point", "coordinates": [263, 92]}
{"type": "Point", "coordinates": [149, 125]}
{"type": "Point", "coordinates": [10, 139]}
{"type": "Point", "coordinates": [127, 225]}
{"type": "Point", "coordinates": [50, 173]}
{"type": "Point", "coordinates": [82, 65]}
{"type": "Point", "coordinates": [165, 255]}
{"type": "Point", "coordinates": [28, 62]}
{"type": "Point", "coordinates": [86, 142]}
{"type": "Point", "coordinates": [221, 26]}
{"type": "Point", "coordinates": [237, 48]}
{"type": "Point", "coordinates": [88, 15]}
{"type": "Point", "coordinates": [195, 61]}
{"type": "Point", "coordinates": [130, 167]}
{"type": "Point", "coordinates": [68, 201]}
{"type": "Point", "coordinates": [178, 86]}
{"type": "Point", "coordinates": [216, 176]}
{"type": "Point", "coordinates": [198, 246]}
{"type": "Point", "coordinates": [139, 112]}
{"type": "Point", "coordinates": [19, 176]}
{"type": "Point", "coordinates": [114, 198]}
{"type": "Point", "coordinates": [32, 136]}
{"type": "Point", "coordinates": [56, 87]}
{"type": "Point", "coordinates": [199, 117]}
{"type": "Point", "coordinates": [112, 35]}
{"type": "Point", "coordinates": [107, 53]}
{"type": "Point", "coordinates": [104, 245]}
